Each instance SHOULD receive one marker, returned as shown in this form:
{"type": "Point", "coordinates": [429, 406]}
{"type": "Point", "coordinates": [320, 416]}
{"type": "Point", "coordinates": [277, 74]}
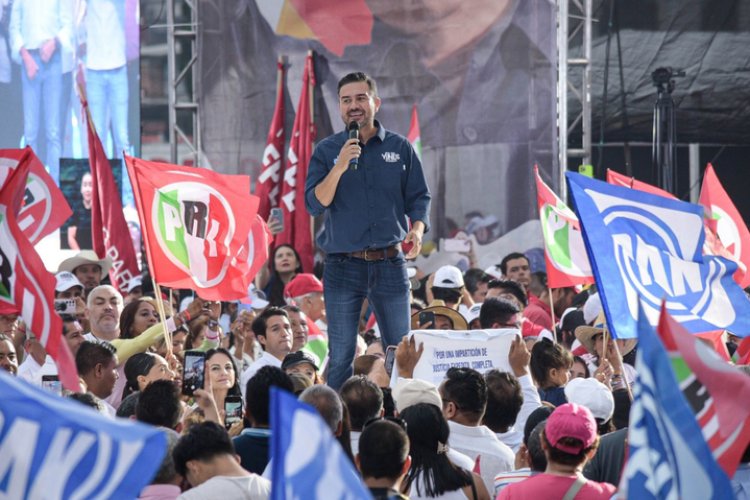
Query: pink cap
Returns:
{"type": "Point", "coordinates": [571, 421]}
{"type": "Point", "coordinates": [302, 284]}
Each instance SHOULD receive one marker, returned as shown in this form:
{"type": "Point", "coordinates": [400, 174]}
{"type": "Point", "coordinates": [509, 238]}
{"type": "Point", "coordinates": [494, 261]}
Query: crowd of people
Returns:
{"type": "Point", "coordinates": [554, 426]}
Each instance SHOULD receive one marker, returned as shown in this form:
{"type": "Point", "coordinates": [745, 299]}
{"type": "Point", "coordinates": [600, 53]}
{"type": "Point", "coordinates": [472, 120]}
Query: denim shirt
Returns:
{"type": "Point", "coordinates": [372, 203]}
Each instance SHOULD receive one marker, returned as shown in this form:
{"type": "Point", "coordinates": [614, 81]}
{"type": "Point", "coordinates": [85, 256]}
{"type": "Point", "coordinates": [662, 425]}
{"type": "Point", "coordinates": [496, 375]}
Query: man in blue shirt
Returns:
{"type": "Point", "coordinates": [366, 208]}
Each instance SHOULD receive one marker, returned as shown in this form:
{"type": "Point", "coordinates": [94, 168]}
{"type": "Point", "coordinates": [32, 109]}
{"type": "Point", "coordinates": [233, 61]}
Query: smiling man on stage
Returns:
{"type": "Point", "coordinates": [369, 185]}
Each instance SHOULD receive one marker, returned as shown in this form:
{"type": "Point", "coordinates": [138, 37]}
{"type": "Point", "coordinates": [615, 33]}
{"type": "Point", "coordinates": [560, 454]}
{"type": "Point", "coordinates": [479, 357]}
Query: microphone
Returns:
{"type": "Point", "coordinates": [353, 129]}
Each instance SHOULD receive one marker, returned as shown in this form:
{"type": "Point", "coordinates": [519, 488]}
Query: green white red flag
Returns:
{"type": "Point", "coordinates": [564, 249]}
{"type": "Point", "coordinates": [297, 230]}
{"type": "Point", "coordinates": [197, 227]}
{"type": "Point", "coordinates": [25, 285]}
{"type": "Point", "coordinates": [268, 184]}
{"type": "Point", "coordinates": [725, 221]}
{"type": "Point", "coordinates": [414, 136]}
{"type": "Point", "coordinates": [716, 391]}
{"type": "Point", "coordinates": [44, 208]}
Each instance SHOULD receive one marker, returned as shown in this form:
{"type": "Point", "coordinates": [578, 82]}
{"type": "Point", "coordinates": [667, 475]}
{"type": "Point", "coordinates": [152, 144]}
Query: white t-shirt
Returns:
{"type": "Point", "coordinates": [252, 487]}
{"type": "Point", "coordinates": [495, 457]}
{"type": "Point", "coordinates": [265, 360]}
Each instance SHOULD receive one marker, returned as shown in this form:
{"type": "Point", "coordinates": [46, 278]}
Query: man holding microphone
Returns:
{"type": "Point", "coordinates": [369, 186]}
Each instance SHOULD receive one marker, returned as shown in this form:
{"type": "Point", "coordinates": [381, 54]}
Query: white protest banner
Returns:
{"type": "Point", "coordinates": [481, 350]}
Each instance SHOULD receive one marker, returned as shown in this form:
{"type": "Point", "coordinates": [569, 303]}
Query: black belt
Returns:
{"type": "Point", "coordinates": [373, 254]}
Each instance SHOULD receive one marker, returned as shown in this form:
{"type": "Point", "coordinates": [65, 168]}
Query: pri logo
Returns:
{"type": "Point", "coordinates": [728, 233]}
{"type": "Point", "coordinates": [565, 245]}
{"type": "Point", "coordinates": [37, 200]}
{"type": "Point", "coordinates": [194, 228]}
{"type": "Point", "coordinates": [658, 254]}
{"type": "Point", "coordinates": [8, 258]}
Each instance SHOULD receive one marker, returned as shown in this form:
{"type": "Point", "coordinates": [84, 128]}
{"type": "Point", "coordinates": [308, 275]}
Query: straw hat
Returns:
{"type": "Point", "coordinates": [585, 335]}
{"type": "Point", "coordinates": [85, 257]}
{"type": "Point", "coordinates": [438, 307]}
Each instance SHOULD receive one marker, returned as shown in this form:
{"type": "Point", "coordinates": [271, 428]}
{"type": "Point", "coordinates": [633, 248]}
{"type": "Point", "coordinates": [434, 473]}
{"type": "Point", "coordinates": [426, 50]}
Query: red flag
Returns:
{"type": "Point", "coordinates": [297, 230]}
{"type": "Point", "coordinates": [267, 188]}
{"type": "Point", "coordinates": [196, 226]}
{"type": "Point", "coordinates": [415, 136]}
{"type": "Point", "coordinates": [742, 354]}
{"type": "Point", "coordinates": [717, 392]}
{"type": "Point", "coordinates": [716, 341]}
{"type": "Point", "coordinates": [44, 206]}
{"type": "Point", "coordinates": [255, 253]}
{"type": "Point", "coordinates": [726, 222]}
{"type": "Point", "coordinates": [110, 234]}
{"type": "Point", "coordinates": [631, 182]}
{"type": "Point", "coordinates": [25, 285]}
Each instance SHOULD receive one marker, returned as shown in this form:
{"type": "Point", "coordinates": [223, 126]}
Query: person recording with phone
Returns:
{"type": "Point", "coordinates": [368, 184]}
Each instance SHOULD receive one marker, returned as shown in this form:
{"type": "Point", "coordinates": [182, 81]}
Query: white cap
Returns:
{"type": "Point", "coordinates": [448, 277]}
{"type": "Point", "coordinates": [65, 281]}
{"type": "Point", "coordinates": [473, 312]}
{"type": "Point", "coordinates": [411, 391]}
{"type": "Point", "coordinates": [592, 308]}
{"type": "Point", "coordinates": [255, 298]}
{"type": "Point", "coordinates": [592, 394]}
{"type": "Point", "coordinates": [135, 282]}
{"type": "Point", "coordinates": [495, 272]}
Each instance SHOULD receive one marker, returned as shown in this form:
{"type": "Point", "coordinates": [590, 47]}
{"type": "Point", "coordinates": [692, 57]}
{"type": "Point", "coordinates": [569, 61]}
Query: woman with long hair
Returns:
{"type": "Point", "coordinates": [285, 264]}
{"type": "Point", "coordinates": [432, 474]}
{"type": "Point", "coordinates": [137, 317]}
{"type": "Point", "coordinates": [222, 373]}
{"type": "Point", "coordinates": [142, 369]}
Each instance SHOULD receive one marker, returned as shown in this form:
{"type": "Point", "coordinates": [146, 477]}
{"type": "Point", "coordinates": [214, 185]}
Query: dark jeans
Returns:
{"type": "Point", "coordinates": [347, 281]}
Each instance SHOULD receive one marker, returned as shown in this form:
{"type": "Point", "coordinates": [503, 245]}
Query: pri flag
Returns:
{"type": "Point", "coordinates": [110, 234]}
{"type": "Point", "coordinates": [414, 136]}
{"type": "Point", "coordinates": [268, 187]}
{"type": "Point", "coordinates": [44, 206]}
{"type": "Point", "coordinates": [668, 457]}
{"type": "Point", "coordinates": [722, 217]}
{"type": "Point", "coordinates": [52, 447]}
{"type": "Point", "coordinates": [308, 462]}
{"type": "Point", "coordinates": [25, 285]}
{"type": "Point", "coordinates": [196, 226]}
{"type": "Point", "coordinates": [297, 230]}
{"type": "Point", "coordinates": [716, 391]}
{"type": "Point", "coordinates": [564, 249]}
{"type": "Point", "coordinates": [644, 247]}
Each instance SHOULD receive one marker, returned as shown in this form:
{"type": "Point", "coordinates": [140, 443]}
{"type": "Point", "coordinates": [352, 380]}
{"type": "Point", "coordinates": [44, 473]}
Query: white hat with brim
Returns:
{"type": "Point", "coordinates": [66, 280]}
{"type": "Point", "coordinates": [85, 257]}
{"type": "Point", "coordinates": [585, 335]}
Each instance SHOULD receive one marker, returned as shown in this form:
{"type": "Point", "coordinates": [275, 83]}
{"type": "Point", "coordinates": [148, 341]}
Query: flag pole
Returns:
{"type": "Point", "coordinates": [311, 94]}
{"type": "Point", "coordinates": [162, 316]}
{"type": "Point", "coordinates": [552, 314]}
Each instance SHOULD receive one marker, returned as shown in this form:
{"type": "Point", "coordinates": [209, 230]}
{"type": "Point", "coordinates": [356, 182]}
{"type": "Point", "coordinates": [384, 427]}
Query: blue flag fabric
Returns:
{"type": "Point", "coordinates": [646, 248]}
{"type": "Point", "coordinates": [51, 447]}
{"type": "Point", "coordinates": [307, 461]}
{"type": "Point", "coordinates": [668, 456]}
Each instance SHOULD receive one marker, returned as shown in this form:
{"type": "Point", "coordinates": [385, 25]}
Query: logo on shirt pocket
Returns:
{"type": "Point", "coordinates": [391, 157]}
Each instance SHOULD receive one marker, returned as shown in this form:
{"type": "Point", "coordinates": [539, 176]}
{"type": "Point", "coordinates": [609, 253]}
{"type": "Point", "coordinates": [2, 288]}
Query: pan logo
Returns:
{"type": "Point", "coordinates": [658, 253]}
